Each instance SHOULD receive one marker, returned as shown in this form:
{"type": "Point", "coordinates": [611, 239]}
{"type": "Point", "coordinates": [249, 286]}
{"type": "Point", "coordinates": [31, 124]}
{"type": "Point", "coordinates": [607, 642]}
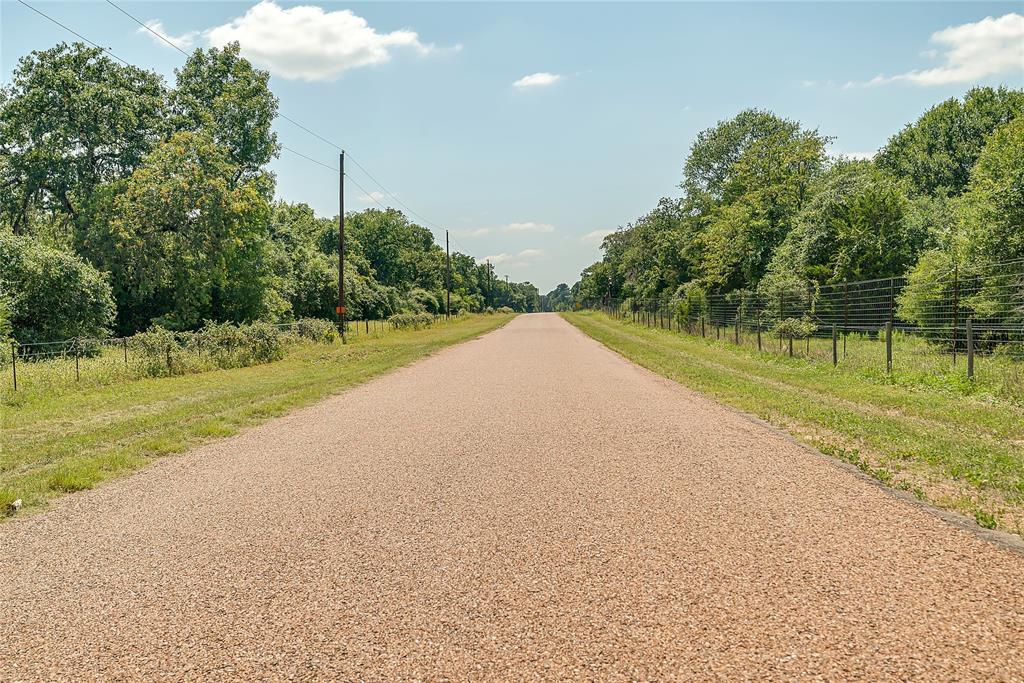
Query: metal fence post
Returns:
{"type": "Point", "coordinates": [888, 347]}
{"type": "Point", "coordinates": [124, 346]}
{"type": "Point", "coordinates": [758, 331]}
{"type": "Point", "coordinates": [970, 348]}
{"type": "Point", "coordinates": [77, 353]}
{"type": "Point", "coordinates": [14, 364]}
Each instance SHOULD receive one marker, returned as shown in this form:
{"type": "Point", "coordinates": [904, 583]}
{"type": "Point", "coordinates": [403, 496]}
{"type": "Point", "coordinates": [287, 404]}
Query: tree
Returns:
{"type": "Point", "coordinates": [72, 120]}
{"type": "Point", "coordinates": [936, 152]}
{"type": "Point", "coordinates": [759, 183]}
{"type": "Point", "coordinates": [52, 295]}
{"type": "Point", "coordinates": [220, 93]}
{"type": "Point", "coordinates": [992, 210]}
{"type": "Point", "coordinates": [856, 227]}
{"type": "Point", "coordinates": [186, 242]}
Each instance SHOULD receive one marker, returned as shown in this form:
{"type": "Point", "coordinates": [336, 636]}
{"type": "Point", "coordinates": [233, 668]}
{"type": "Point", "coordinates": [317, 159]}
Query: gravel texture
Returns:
{"type": "Point", "coordinates": [527, 505]}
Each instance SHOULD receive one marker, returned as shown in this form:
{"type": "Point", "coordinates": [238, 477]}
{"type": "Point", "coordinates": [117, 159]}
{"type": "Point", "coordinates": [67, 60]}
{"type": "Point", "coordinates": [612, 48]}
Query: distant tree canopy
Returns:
{"type": "Point", "coordinates": [762, 204]}
{"type": "Point", "coordinates": [125, 202]}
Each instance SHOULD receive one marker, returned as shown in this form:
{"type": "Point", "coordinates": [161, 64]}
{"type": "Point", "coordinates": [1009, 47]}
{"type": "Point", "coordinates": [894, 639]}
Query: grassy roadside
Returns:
{"type": "Point", "coordinates": [52, 444]}
{"type": "Point", "coordinates": [957, 450]}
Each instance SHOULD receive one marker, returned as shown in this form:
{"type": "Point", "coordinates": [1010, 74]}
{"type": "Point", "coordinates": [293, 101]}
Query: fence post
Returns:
{"type": "Point", "coordinates": [956, 306]}
{"type": "Point", "coordinates": [124, 346]}
{"type": "Point", "coordinates": [835, 346]}
{"type": "Point", "coordinates": [758, 331]}
{"type": "Point", "coordinates": [77, 353]}
{"type": "Point", "coordinates": [970, 348]}
{"type": "Point", "coordinates": [14, 364]}
{"type": "Point", "coordinates": [702, 335]}
{"type": "Point", "coordinates": [168, 359]}
{"type": "Point", "coordinates": [888, 347]}
{"type": "Point", "coordinates": [791, 346]}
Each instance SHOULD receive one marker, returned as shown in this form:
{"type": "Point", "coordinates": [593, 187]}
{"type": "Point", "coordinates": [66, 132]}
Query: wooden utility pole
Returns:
{"type": "Point", "coordinates": [341, 246]}
{"type": "Point", "coordinates": [448, 279]}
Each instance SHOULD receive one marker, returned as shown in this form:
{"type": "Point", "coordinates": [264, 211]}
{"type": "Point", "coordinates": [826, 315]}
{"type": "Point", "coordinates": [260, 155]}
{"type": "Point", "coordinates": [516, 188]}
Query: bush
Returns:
{"type": "Point", "coordinates": [215, 345]}
{"type": "Point", "coordinates": [411, 321]}
{"type": "Point", "coordinates": [316, 330]}
{"type": "Point", "coordinates": [794, 328]}
{"type": "Point", "coordinates": [505, 309]}
{"type": "Point", "coordinates": [52, 295]}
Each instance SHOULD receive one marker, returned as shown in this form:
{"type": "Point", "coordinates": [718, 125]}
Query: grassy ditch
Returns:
{"type": "Point", "coordinates": [52, 443]}
{"type": "Point", "coordinates": [955, 446]}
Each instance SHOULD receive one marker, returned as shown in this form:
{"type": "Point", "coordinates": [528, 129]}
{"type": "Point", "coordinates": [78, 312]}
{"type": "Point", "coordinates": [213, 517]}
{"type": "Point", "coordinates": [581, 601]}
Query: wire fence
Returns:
{"type": "Point", "coordinates": [961, 316]}
{"type": "Point", "coordinates": [47, 365]}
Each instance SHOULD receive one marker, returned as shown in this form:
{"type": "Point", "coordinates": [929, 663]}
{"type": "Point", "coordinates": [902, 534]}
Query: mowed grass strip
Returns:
{"type": "Point", "coordinates": [961, 451]}
{"type": "Point", "coordinates": [73, 440]}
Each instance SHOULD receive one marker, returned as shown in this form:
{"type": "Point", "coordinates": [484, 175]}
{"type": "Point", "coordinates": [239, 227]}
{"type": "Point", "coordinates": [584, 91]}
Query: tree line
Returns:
{"type": "Point", "coordinates": [126, 202]}
{"type": "Point", "coordinates": [764, 206]}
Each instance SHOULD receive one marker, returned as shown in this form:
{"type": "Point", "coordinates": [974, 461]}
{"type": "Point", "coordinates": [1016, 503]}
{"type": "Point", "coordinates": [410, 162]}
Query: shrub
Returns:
{"type": "Point", "coordinates": [52, 295]}
{"type": "Point", "coordinates": [316, 330]}
{"type": "Point", "coordinates": [794, 328]}
{"type": "Point", "coordinates": [505, 309]}
{"type": "Point", "coordinates": [411, 321]}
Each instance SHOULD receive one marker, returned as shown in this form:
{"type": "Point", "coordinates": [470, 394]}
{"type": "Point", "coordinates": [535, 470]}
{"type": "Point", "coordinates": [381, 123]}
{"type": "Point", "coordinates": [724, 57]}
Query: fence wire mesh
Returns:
{"type": "Point", "coordinates": [963, 315]}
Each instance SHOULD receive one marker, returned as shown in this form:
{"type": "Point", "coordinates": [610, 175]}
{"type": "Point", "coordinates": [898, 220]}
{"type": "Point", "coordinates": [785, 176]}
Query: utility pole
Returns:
{"type": "Point", "coordinates": [341, 246]}
{"type": "Point", "coordinates": [448, 283]}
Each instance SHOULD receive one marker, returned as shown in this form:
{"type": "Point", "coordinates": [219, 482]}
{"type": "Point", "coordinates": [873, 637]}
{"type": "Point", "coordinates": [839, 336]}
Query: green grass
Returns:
{"type": "Point", "coordinates": [958, 445]}
{"type": "Point", "coordinates": [72, 439]}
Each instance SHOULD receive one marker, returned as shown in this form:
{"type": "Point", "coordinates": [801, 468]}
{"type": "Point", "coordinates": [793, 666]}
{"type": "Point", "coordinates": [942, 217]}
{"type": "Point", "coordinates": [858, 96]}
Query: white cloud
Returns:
{"type": "Point", "coordinates": [373, 197]}
{"type": "Point", "coordinates": [528, 227]}
{"type": "Point", "coordinates": [537, 80]}
{"type": "Point", "coordinates": [515, 260]}
{"type": "Point", "coordinates": [596, 236]}
{"type": "Point", "coordinates": [510, 228]}
{"type": "Point", "coordinates": [305, 42]}
{"type": "Point", "coordinates": [184, 41]}
{"type": "Point", "coordinates": [971, 52]}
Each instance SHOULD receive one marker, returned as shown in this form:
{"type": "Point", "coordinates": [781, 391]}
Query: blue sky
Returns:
{"type": "Point", "coordinates": [609, 98]}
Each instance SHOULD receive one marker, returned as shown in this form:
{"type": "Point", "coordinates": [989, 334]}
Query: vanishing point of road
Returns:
{"type": "Point", "coordinates": [527, 505]}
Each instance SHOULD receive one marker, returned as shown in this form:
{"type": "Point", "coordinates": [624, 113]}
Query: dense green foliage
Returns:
{"type": "Point", "coordinates": [130, 203]}
{"type": "Point", "coordinates": [764, 206]}
{"type": "Point", "coordinates": [49, 294]}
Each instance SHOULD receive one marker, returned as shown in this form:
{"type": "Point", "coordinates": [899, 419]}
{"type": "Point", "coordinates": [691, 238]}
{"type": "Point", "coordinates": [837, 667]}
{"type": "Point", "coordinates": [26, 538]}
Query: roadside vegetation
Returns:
{"type": "Point", "coordinates": [953, 443]}
{"type": "Point", "coordinates": [53, 442]}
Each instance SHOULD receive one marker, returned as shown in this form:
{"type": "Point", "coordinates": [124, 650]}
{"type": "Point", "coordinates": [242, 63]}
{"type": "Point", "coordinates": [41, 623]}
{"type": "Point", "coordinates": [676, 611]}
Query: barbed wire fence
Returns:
{"type": "Point", "coordinates": [956, 317]}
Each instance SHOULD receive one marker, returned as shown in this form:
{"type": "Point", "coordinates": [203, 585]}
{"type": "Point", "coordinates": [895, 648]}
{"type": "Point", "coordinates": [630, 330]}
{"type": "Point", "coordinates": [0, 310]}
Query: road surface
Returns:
{"type": "Point", "coordinates": [527, 505]}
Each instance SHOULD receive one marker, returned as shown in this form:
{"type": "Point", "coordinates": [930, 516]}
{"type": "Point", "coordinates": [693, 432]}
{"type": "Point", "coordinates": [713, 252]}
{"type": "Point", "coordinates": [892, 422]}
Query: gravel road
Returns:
{"type": "Point", "coordinates": [527, 505]}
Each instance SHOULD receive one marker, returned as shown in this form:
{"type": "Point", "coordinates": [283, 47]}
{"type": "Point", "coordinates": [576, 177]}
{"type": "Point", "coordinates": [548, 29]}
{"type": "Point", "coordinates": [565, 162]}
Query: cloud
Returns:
{"type": "Point", "coordinates": [184, 41]}
{"type": "Point", "coordinates": [528, 227]}
{"type": "Point", "coordinates": [305, 42]}
{"type": "Point", "coordinates": [537, 80]}
{"type": "Point", "coordinates": [596, 236]}
{"type": "Point", "coordinates": [510, 228]}
{"type": "Point", "coordinates": [971, 52]}
{"type": "Point", "coordinates": [373, 197]}
{"type": "Point", "coordinates": [515, 260]}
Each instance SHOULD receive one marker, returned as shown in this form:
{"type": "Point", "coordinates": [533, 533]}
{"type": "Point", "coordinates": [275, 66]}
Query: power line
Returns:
{"type": "Point", "coordinates": [308, 130]}
{"type": "Point", "coordinates": [300, 126]}
{"type": "Point", "coordinates": [72, 31]}
{"type": "Point", "coordinates": [145, 26]}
